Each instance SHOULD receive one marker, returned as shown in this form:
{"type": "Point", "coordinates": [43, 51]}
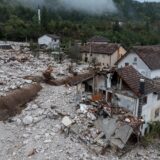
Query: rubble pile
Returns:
{"type": "Point", "coordinates": [15, 66]}
{"type": "Point", "coordinates": [100, 126]}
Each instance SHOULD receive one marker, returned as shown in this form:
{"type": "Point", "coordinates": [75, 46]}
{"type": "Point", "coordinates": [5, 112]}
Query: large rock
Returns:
{"type": "Point", "coordinates": [27, 120]}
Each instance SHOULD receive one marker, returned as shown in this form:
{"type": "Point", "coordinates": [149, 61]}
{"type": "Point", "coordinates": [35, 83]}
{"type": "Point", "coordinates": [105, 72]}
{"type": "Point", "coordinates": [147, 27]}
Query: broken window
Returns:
{"type": "Point", "coordinates": [157, 113]}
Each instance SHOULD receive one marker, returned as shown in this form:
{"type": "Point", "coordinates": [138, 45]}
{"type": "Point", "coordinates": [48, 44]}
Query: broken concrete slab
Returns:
{"type": "Point", "coordinates": [66, 121]}
{"type": "Point", "coordinates": [121, 136]}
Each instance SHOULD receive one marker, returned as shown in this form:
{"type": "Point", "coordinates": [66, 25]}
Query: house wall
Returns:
{"type": "Point", "coordinates": [55, 43]}
{"type": "Point", "coordinates": [103, 59]}
{"type": "Point", "coordinates": [44, 40]}
{"type": "Point", "coordinates": [127, 102]}
{"type": "Point", "coordinates": [139, 65]}
{"type": "Point", "coordinates": [148, 110]}
{"type": "Point", "coordinates": [100, 83]}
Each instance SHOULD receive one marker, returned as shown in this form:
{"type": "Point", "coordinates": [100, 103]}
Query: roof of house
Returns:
{"type": "Point", "coordinates": [108, 48]}
{"type": "Point", "coordinates": [98, 39]}
{"type": "Point", "coordinates": [53, 36]}
{"type": "Point", "coordinates": [149, 54]}
{"type": "Point", "coordinates": [132, 78]}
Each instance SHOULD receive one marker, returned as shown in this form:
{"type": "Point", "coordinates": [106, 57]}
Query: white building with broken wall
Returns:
{"type": "Point", "coordinates": [129, 89]}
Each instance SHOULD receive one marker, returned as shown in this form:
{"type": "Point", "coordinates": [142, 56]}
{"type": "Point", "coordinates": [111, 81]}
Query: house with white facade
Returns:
{"type": "Point", "coordinates": [50, 41]}
{"type": "Point", "coordinates": [103, 54]}
{"type": "Point", "coordinates": [145, 59]}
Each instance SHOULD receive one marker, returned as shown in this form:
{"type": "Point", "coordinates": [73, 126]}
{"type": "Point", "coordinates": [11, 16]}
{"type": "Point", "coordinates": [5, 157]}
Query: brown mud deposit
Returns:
{"type": "Point", "coordinates": [15, 101]}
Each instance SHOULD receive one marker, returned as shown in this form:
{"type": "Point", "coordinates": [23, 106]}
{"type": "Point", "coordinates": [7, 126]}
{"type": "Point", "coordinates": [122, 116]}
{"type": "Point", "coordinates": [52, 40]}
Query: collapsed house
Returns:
{"type": "Point", "coordinates": [127, 88]}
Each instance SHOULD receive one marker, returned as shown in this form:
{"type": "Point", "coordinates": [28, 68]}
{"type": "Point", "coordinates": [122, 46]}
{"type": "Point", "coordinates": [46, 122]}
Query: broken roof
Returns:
{"type": "Point", "coordinates": [132, 78]}
{"type": "Point", "coordinates": [107, 49]}
{"type": "Point", "coordinates": [149, 55]}
{"type": "Point", "coordinates": [98, 39]}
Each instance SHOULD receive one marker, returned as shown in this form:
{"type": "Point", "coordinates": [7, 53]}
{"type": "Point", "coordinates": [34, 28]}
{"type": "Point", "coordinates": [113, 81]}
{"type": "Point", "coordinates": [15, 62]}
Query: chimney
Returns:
{"type": "Point", "coordinates": [39, 15]}
{"type": "Point", "coordinates": [142, 86]}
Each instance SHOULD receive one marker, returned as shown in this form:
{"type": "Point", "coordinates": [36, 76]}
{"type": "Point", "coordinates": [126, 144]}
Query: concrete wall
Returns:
{"type": "Point", "coordinates": [127, 102]}
{"type": "Point", "coordinates": [139, 65]}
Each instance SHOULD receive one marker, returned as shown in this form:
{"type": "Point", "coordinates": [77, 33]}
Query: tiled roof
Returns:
{"type": "Point", "coordinates": [108, 48]}
{"type": "Point", "coordinates": [98, 39]}
{"type": "Point", "coordinates": [132, 78]}
{"type": "Point", "coordinates": [150, 55]}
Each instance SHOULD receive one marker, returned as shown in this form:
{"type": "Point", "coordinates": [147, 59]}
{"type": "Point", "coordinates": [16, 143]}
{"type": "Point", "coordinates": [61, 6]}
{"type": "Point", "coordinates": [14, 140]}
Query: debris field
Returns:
{"type": "Point", "coordinates": [39, 121]}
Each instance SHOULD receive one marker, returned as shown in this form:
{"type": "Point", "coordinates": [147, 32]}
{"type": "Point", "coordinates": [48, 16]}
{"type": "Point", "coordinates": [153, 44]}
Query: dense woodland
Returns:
{"type": "Point", "coordinates": [134, 23]}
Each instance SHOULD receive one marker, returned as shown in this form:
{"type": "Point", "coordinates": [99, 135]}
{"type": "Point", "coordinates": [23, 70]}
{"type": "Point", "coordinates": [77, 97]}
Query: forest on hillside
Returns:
{"type": "Point", "coordinates": [133, 23]}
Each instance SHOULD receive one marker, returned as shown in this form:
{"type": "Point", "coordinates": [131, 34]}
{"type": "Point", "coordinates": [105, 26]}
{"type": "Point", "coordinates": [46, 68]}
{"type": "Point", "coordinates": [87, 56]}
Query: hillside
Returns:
{"type": "Point", "coordinates": [139, 22]}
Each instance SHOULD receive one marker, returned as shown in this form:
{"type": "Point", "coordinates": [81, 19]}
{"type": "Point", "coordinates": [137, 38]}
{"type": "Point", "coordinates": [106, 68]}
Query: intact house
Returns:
{"type": "Point", "coordinates": [104, 54]}
{"type": "Point", "coordinates": [127, 88]}
{"type": "Point", "coordinates": [50, 41]}
{"type": "Point", "coordinates": [145, 59]}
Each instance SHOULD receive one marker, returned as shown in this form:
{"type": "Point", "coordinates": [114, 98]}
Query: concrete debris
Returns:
{"type": "Point", "coordinates": [27, 120]}
{"type": "Point", "coordinates": [66, 121]}
{"type": "Point", "coordinates": [32, 152]}
{"type": "Point", "coordinates": [35, 115]}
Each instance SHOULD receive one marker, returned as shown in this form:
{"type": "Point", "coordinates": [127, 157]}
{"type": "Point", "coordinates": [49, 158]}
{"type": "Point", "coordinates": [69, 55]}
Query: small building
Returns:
{"type": "Point", "coordinates": [105, 54]}
{"type": "Point", "coordinates": [145, 59]}
{"type": "Point", "coordinates": [50, 41]}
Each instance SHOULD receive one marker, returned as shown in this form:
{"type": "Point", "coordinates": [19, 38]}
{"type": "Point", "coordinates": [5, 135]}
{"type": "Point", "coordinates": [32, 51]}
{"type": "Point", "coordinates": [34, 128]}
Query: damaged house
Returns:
{"type": "Point", "coordinates": [104, 54]}
{"type": "Point", "coordinates": [127, 88]}
{"type": "Point", "coordinates": [145, 59]}
{"type": "Point", "coordinates": [131, 90]}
